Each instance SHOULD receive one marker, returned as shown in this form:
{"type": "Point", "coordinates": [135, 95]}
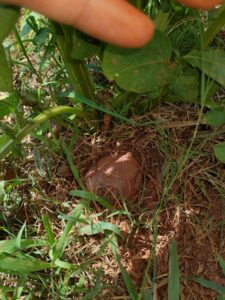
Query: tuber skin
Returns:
{"type": "Point", "coordinates": [119, 175]}
{"type": "Point", "coordinates": [112, 21]}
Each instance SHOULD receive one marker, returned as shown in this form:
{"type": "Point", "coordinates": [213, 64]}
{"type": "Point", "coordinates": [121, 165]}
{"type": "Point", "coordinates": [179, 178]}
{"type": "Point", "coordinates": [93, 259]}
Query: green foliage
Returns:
{"type": "Point", "coordinates": [65, 89]}
{"type": "Point", "coordinates": [84, 46]}
{"type": "Point", "coordinates": [140, 70]}
{"type": "Point", "coordinates": [212, 285]}
{"type": "Point", "coordinates": [174, 273]}
{"type": "Point", "coordinates": [99, 227]}
{"type": "Point", "coordinates": [8, 18]}
{"type": "Point", "coordinates": [6, 80]}
{"type": "Point", "coordinates": [215, 117]}
{"type": "Point", "coordinates": [220, 151]}
{"type": "Point", "coordinates": [185, 84]}
{"type": "Point", "coordinates": [211, 62]}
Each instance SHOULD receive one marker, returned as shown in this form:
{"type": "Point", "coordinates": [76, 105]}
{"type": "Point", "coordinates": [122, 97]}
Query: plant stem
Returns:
{"type": "Point", "coordinates": [215, 27]}
{"type": "Point", "coordinates": [19, 41]}
{"type": "Point", "coordinates": [78, 74]}
{"type": "Point", "coordinates": [6, 142]}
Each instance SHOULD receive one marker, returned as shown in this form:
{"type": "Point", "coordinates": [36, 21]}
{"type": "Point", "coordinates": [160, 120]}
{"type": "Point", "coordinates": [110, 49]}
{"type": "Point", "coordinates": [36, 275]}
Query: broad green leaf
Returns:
{"type": "Point", "coordinates": [185, 84]}
{"type": "Point", "coordinates": [140, 70]}
{"type": "Point", "coordinates": [174, 273]}
{"type": "Point", "coordinates": [8, 18]}
{"type": "Point", "coordinates": [99, 227]}
{"type": "Point", "coordinates": [40, 38]}
{"type": "Point", "coordinates": [215, 117]}
{"type": "Point", "coordinates": [16, 265]}
{"type": "Point", "coordinates": [220, 151]}
{"type": "Point", "coordinates": [211, 62]}
{"type": "Point", "coordinates": [6, 79]}
{"type": "Point", "coordinates": [221, 297]}
{"type": "Point", "coordinates": [210, 285]}
{"type": "Point", "coordinates": [84, 46]}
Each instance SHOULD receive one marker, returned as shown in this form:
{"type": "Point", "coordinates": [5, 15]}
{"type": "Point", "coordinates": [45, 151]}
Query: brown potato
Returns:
{"type": "Point", "coordinates": [118, 175]}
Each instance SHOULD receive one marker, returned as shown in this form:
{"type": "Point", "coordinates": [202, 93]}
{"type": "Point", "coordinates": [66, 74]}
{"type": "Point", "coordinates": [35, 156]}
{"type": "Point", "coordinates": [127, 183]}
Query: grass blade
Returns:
{"type": "Point", "coordinates": [98, 228]}
{"type": "Point", "coordinates": [19, 236]}
{"type": "Point", "coordinates": [21, 266]}
{"type": "Point", "coordinates": [10, 246]}
{"type": "Point", "coordinates": [63, 239]}
{"type": "Point", "coordinates": [126, 277]}
{"type": "Point", "coordinates": [174, 273]}
{"type": "Point", "coordinates": [48, 229]}
{"type": "Point", "coordinates": [222, 263]}
{"type": "Point", "coordinates": [209, 284]}
{"type": "Point", "coordinates": [91, 197]}
{"type": "Point", "coordinates": [72, 166]}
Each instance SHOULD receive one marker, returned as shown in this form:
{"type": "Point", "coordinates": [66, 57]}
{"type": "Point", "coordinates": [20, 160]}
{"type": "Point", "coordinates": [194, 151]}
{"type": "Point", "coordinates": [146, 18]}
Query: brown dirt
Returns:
{"type": "Point", "coordinates": [192, 211]}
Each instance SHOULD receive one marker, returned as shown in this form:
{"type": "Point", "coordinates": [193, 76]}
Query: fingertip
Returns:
{"type": "Point", "coordinates": [201, 4]}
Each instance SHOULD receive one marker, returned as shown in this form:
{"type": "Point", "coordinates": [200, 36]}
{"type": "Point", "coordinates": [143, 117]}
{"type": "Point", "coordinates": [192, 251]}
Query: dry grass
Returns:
{"type": "Point", "coordinates": [192, 210]}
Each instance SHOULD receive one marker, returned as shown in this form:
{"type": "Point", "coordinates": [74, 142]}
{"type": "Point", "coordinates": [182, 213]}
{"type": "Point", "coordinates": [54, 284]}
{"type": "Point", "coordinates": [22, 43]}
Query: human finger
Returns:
{"type": "Point", "coordinates": [113, 21]}
{"type": "Point", "coordinates": [201, 4]}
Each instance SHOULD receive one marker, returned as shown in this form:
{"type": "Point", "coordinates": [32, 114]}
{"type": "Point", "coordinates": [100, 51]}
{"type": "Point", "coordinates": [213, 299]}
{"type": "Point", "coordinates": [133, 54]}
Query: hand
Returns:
{"type": "Point", "coordinates": [113, 21]}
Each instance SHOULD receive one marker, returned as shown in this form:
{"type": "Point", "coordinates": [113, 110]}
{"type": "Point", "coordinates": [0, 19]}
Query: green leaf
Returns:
{"type": "Point", "coordinates": [174, 273]}
{"type": "Point", "coordinates": [91, 197]}
{"type": "Point", "coordinates": [19, 236]}
{"type": "Point", "coordinates": [21, 283]}
{"type": "Point", "coordinates": [214, 28]}
{"type": "Point", "coordinates": [221, 297]}
{"type": "Point", "coordinates": [84, 46]}
{"type": "Point", "coordinates": [6, 79]}
{"type": "Point", "coordinates": [41, 37]}
{"type": "Point", "coordinates": [140, 70]}
{"type": "Point", "coordinates": [211, 62]}
{"type": "Point", "coordinates": [7, 143]}
{"type": "Point", "coordinates": [99, 227]}
{"type": "Point", "coordinates": [21, 266]}
{"type": "Point", "coordinates": [48, 229]}
{"type": "Point", "coordinates": [126, 277]}
{"type": "Point", "coordinates": [10, 246]}
{"type": "Point", "coordinates": [219, 150]}
{"type": "Point", "coordinates": [148, 295]}
{"type": "Point", "coordinates": [8, 17]}
{"type": "Point", "coordinates": [210, 285]}
{"type": "Point", "coordinates": [215, 117]}
{"type": "Point", "coordinates": [185, 84]}
{"type": "Point", "coordinates": [8, 103]}
{"type": "Point", "coordinates": [75, 215]}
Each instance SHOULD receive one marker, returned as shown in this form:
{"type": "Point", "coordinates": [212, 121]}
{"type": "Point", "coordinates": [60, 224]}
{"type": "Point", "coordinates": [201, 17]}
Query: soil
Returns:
{"type": "Point", "coordinates": [189, 208]}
